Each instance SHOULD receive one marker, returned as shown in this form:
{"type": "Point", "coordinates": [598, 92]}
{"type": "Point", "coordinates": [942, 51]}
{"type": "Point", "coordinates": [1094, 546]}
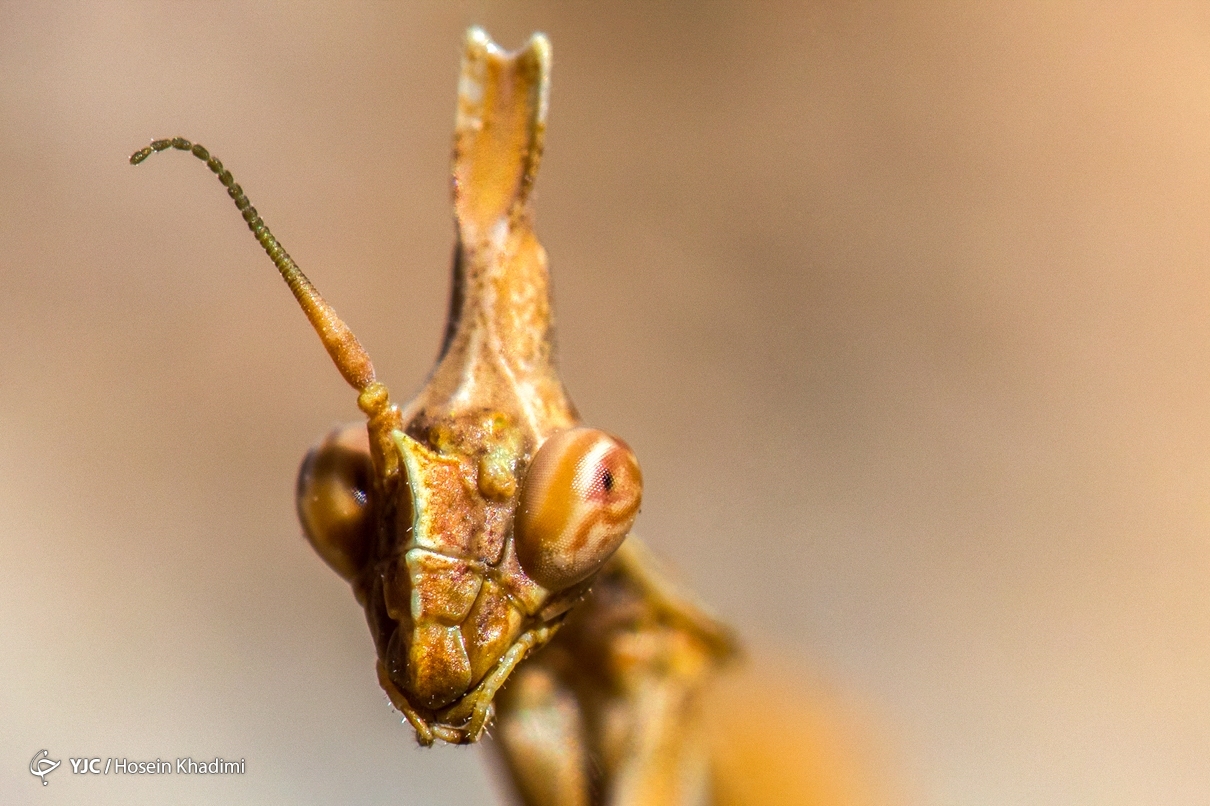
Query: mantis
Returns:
{"type": "Point", "coordinates": [482, 526]}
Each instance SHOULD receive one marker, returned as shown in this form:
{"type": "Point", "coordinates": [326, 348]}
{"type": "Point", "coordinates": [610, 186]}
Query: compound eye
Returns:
{"type": "Point", "coordinates": [333, 499]}
{"type": "Point", "coordinates": [578, 501]}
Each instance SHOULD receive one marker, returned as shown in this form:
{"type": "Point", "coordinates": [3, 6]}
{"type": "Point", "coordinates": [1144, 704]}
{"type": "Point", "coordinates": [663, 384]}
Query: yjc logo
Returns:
{"type": "Point", "coordinates": [42, 766]}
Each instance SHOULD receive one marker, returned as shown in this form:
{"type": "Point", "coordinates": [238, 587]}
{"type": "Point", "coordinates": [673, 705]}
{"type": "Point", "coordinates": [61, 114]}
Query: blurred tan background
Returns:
{"type": "Point", "coordinates": [904, 306]}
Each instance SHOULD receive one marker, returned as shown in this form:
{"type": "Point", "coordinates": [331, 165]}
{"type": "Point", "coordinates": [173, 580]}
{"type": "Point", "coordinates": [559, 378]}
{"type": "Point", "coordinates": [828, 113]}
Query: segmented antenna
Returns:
{"type": "Point", "coordinates": [348, 355]}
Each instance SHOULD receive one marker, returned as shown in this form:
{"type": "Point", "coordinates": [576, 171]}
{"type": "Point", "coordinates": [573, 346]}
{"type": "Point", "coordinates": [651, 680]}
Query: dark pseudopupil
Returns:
{"type": "Point", "coordinates": [607, 481]}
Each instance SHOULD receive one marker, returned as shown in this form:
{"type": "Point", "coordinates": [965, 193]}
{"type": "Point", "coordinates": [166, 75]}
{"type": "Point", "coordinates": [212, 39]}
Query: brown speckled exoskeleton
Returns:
{"type": "Point", "coordinates": [482, 521]}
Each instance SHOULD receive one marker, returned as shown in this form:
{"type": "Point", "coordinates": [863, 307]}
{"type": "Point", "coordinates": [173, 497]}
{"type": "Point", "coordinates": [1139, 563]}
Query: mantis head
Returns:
{"type": "Point", "coordinates": [471, 520]}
